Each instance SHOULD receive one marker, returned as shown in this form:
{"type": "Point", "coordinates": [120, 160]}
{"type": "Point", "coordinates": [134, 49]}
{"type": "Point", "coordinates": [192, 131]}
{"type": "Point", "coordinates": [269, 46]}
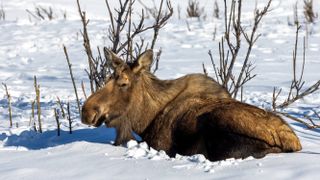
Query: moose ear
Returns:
{"type": "Point", "coordinates": [144, 61]}
{"type": "Point", "coordinates": [113, 58]}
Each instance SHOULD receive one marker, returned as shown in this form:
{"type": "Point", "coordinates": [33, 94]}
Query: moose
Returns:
{"type": "Point", "coordinates": [189, 115]}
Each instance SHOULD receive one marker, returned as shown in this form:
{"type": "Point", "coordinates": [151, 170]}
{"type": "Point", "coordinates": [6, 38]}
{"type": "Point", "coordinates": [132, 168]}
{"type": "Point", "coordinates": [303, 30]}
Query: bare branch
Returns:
{"type": "Point", "coordinates": [69, 118]}
{"type": "Point", "coordinates": [309, 14]}
{"type": "Point", "coordinates": [275, 96]}
{"type": "Point", "coordinates": [57, 121]}
{"type": "Point", "coordinates": [9, 103]}
{"type": "Point", "coordinates": [214, 66]}
{"type": "Point", "coordinates": [297, 84]}
{"type": "Point", "coordinates": [157, 60]}
{"type": "Point", "coordinates": [205, 72]}
{"type": "Point", "coordinates": [72, 78]}
{"type": "Point", "coordinates": [61, 107]}
{"type": "Point", "coordinates": [83, 90]}
{"type": "Point", "coordinates": [87, 46]}
{"type": "Point", "coordinates": [37, 89]}
{"type": "Point", "coordinates": [228, 54]}
{"type": "Point", "coordinates": [242, 80]}
{"type": "Point", "coordinates": [300, 121]}
{"type": "Point", "coordinates": [194, 10]}
{"type": "Point", "coordinates": [122, 24]}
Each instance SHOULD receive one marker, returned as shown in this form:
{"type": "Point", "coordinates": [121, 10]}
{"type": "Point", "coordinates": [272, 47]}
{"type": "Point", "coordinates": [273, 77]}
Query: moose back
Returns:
{"type": "Point", "coordinates": [189, 115]}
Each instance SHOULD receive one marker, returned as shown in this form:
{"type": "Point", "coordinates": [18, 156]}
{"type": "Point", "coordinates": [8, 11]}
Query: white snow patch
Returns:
{"type": "Point", "coordinates": [29, 48]}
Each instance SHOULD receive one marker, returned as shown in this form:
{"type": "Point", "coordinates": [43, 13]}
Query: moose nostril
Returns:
{"type": "Point", "coordinates": [88, 117]}
{"type": "Point", "coordinates": [90, 114]}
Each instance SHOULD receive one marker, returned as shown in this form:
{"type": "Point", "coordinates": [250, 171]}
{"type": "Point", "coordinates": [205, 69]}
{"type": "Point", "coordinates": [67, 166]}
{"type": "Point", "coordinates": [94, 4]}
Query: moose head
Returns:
{"type": "Point", "coordinates": [113, 100]}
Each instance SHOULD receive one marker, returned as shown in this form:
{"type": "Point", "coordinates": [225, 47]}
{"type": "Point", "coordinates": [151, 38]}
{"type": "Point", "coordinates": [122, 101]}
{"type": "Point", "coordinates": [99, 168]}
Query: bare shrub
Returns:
{"type": "Point", "coordinates": [59, 103]}
{"type": "Point", "coordinates": [72, 78]}
{"type": "Point", "coordinates": [216, 10]}
{"type": "Point", "coordinates": [64, 14]}
{"type": "Point", "coordinates": [41, 13]}
{"type": "Point", "coordinates": [214, 34]}
{"type": "Point", "coordinates": [230, 45]}
{"type": "Point", "coordinates": [69, 118]}
{"type": "Point", "coordinates": [152, 11]}
{"type": "Point", "coordinates": [194, 9]}
{"type": "Point", "coordinates": [37, 90]}
{"type": "Point", "coordinates": [56, 115]}
{"type": "Point", "coordinates": [297, 88]}
{"type": "Point", "coordinates": [32, 120]}
{"type": "Point", "coordinates": [129, 48]}
{"type": "Point", "coordinates": [9, 103]}
{"type": "Point", "coordinates": [295, 14]}
{"type": "Point", "coordinates": [179, 12]}
{"type": "Point", "coordinates": [309, 14]}
{"type": "Point", "coordinates": [2, 13]}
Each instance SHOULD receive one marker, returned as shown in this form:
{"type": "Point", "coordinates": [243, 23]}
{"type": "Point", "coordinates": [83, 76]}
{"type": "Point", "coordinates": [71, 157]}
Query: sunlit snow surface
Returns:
{"type": "Point", "coordinates": [29, 48]}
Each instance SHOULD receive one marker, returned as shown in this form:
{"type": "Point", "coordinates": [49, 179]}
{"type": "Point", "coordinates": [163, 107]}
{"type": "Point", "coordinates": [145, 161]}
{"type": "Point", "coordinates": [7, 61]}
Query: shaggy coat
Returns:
{"type": "Point", "coordinates": [189, 115]}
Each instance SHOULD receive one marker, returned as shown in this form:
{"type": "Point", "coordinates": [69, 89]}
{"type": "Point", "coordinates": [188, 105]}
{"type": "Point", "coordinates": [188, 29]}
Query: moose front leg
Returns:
{"type": "Point", "coordinates": [123, 136]}
{"type": "Point", "coordinates": [123, 130]}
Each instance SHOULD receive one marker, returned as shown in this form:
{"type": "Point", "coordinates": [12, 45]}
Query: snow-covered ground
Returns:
{"type": "Point", "coordinates": [29, 47]}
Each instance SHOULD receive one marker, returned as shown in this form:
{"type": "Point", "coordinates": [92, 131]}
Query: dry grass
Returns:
{"type": "Point", "coordinates": [309, 13]}
{"type": "Point", "coordinates": [2, 13]}
{"type": "Point", "coordinates": [194, 9]}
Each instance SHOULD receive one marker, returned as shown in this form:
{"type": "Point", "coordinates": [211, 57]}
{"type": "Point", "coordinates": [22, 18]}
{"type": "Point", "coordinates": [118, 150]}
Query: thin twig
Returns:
{"type": "Point", "coordinates": [205, 72]}
{"type": "Point", "coordinates": [309, 13]}
{"type": "Point", "coordinates": [214, 66]}
{"type": "Point", "coordinates": [9, 103]}
{"type": "Point", "coordinates": [297, 83]}
{"type": "Point", "coordinates": [275, 96]}
{"type": "Point", "coordinates": [57, 121]}
{"type": "Point", "coordinates": [299, 120]}
{"type": "Point", "coordinates": [35, 126]}
{"type": "Point", "coordinates": [2, 13]}
{"type": "Point", "coordinates": [230, 44]}
{"type": "Point", "coordinates": [161, 21]}
{"type": "Point", "coordinates": [34, 16]}
{"type": "Point", "coordinates": [317, 114]}
{"type": "Point", "coordinates": [241, 80]}
{"type": "Point", "coordinates": [37, 89]}
{"type": "Point", "coordinates": [61, 107]}
{"type": "Point", "coordinates": [87, 46]}
{"type": "Point", "coordinates": [32, 112]}
{"type": "Point", "coordinates": [83, 90]}
{"type": "Point", "coordinates": [72, 78]}
{"type": "Point", "coordinates": [69, 118]}
{"type": "Point", "coordinates": [157, 60]}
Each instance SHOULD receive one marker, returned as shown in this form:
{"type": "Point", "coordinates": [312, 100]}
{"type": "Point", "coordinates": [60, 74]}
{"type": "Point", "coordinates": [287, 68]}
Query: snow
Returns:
{"type": "Point", "coordinates": [29, 48]}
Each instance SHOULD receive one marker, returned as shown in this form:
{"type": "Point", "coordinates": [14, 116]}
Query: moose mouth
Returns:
{"type": "Point", "coordinates": [107, 119]}
{"type": "Point", "coordinates": [97, 120]}
{"type": "Point", "coordinates": [95, 117]}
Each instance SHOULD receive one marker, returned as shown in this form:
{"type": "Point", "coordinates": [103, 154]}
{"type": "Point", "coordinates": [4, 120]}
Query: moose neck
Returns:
{"type": "Point", "coordinates": [151, 97]}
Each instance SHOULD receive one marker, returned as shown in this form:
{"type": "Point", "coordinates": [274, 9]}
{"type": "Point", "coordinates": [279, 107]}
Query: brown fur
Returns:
{"type": "Point", "coordinates": [189, 115]}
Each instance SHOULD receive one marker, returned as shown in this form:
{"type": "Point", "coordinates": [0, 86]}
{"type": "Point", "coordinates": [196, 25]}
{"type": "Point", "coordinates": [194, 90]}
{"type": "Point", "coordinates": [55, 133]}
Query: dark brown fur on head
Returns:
{"type": "Point", "coordinates": [189, 115]}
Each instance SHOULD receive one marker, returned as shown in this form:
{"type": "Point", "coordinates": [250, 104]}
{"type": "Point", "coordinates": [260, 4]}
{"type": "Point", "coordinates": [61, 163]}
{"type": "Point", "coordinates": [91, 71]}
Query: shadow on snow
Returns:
{"type": "Point", "coordinates": [34, 141]}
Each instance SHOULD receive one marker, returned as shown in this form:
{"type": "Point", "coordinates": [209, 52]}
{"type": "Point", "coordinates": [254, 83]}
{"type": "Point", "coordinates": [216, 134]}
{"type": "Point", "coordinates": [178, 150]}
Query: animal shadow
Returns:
{"type": "Point", "coordinates": [35, 141]}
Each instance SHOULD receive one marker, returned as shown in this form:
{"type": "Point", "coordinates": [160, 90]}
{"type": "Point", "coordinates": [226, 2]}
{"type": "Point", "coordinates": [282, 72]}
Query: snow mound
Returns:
{"type": "Point", "coordinates": [199, 161]}
{"type": "Point", "coordinates": [142, 150]}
